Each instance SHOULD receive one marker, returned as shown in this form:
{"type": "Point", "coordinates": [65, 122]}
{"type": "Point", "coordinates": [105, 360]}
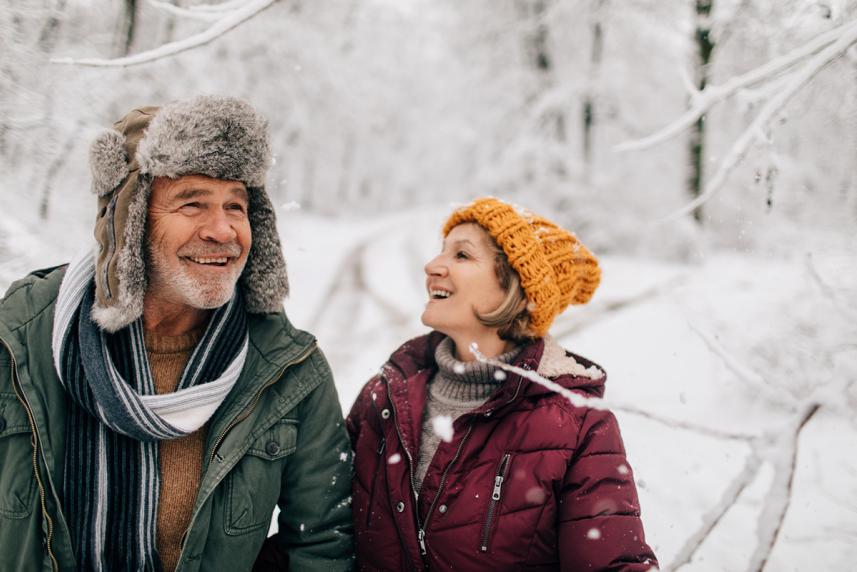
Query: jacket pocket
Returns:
{"type": "Point", "coordinates": [494, 503]}
{"type": "Point", "coordinates": [17, 484]}
{"type": "Point", "coordinates": [253, 486]}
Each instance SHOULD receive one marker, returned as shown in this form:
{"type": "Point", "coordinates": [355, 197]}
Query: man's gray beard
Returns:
{"type": "Point", "coordinates": [194, 292]}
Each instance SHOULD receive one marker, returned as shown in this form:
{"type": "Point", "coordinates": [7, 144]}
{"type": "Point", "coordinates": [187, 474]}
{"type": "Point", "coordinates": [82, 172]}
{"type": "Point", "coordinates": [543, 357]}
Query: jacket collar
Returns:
{"type": "Point", "coordinates": [412, 365]}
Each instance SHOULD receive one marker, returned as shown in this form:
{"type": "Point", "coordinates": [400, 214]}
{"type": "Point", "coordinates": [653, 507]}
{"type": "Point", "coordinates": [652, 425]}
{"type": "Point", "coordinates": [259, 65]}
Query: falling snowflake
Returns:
{"type": "Point", "coordinates": [442, 427]}
{"type": "Point", "coordinates": [499, 375]}
{"type": "Point", "coordinates": [593, 534]}
{"type": "Point", "coordinates": [291, 206]}
{"type": "Point", "coordinates": [394, 458]}
{"type": "Point", "coordinates": [343, 457]}
{"type": "Point", "coordinates": [458, 368]}
{"type": "Point", "coordinates": [623, 469]}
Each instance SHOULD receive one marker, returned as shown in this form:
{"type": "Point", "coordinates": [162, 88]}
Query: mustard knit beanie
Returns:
{"type": "Point", "coordinates": [554, 267]}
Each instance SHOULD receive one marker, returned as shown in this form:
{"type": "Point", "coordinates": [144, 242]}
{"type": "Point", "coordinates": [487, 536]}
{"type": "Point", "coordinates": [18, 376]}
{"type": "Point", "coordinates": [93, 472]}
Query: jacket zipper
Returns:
{"type": "Point", "coordinates": [248, 410]}
{"type": "Point", "coordinates": [422, 532]}
{"type": "Point", "coordinates": [238, 420]}
{"type": "Point", "coordinates": [502, 471]}
{"type": "Point", "coordinates": [421, 526]}
{"type": "Point", "coordinates": [19, 393]}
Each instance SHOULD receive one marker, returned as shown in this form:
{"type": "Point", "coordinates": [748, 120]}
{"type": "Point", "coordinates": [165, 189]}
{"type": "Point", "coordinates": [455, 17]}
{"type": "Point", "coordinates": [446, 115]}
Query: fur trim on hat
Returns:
{"type": "Point", "coordinates": [108, 162]}
{"type": "Point", "coordinates": [219, 137]}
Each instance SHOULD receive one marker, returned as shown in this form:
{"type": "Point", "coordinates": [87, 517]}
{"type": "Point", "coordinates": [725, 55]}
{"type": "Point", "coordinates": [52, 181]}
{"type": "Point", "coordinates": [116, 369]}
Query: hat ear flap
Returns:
{"type": "Point", "coordinates": [108, 162]}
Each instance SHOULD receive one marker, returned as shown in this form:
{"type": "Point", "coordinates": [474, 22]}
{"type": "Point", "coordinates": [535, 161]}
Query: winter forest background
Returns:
{"type": "Point", "coordinates": [728, 325]}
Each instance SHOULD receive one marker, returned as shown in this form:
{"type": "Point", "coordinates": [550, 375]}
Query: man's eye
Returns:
{"type": "Point", "coordinates": [190, 205]}
{"type": "Point", "coordinates": [236, 207]}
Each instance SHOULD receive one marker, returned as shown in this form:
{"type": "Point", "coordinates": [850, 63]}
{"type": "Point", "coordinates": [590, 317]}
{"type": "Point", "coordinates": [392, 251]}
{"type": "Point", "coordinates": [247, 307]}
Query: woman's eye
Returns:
{"type": "Point", "coordinates": [461, 255]}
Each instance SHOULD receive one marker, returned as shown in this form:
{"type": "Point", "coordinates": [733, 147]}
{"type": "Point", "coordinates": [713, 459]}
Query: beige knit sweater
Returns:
{"type": "Point", "coordinates": [180, 459]}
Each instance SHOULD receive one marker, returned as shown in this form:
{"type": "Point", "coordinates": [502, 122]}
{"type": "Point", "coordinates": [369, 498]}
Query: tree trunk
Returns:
{"type": "Point", "coordinates": [704, 48]}
{"type": "Point", "coordinates": [127, 28]}
{"type": "Point", "coordinates": [595, 57]}
{"type": "Point", "coordinates": [552, 122]}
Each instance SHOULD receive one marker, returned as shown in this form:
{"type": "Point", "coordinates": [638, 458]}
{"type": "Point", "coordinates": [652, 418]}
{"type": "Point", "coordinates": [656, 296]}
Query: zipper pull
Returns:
{"type": "Point", "coordinates": [498, 483]}
{"type": "Point", "coordinates": [422, 538]}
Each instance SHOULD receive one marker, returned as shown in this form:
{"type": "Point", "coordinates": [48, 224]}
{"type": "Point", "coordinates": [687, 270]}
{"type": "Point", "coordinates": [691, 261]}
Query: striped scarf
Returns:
{"type": "Point", "coordinates": [115, 420]}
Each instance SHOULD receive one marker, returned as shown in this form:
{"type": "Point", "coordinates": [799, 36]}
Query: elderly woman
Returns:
{"type": "Point", "coordinates": [523, 479]}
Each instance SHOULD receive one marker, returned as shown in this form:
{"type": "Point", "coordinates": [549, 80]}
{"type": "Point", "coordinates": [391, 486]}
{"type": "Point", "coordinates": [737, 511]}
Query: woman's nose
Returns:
{"type": "Point", "coordinates": [435, 267]}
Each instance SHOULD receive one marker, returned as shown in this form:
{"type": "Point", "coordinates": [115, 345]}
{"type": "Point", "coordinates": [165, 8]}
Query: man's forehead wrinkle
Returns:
{"type": "Point", "coordinates": [192, 192]}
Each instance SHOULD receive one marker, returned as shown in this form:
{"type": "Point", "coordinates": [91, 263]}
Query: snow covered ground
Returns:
{"type": "Point", "coordinates": [712, 368]}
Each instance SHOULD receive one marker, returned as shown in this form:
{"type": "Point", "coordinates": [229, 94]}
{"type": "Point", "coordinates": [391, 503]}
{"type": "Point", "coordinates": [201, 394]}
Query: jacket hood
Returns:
{"type": "Point", "coordinates": [219, 137]}
{"type": "Point", "coordinates": [543, 355]}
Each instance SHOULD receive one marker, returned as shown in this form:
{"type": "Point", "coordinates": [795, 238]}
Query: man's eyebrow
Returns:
{"type": "Point", "coordinates": [193, 192]}
{"type": "Point", "coordinates": [190, 193]}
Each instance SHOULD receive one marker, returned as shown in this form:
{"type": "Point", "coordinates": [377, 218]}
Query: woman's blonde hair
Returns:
{"type": "Point", "coordinates": [511, 318]}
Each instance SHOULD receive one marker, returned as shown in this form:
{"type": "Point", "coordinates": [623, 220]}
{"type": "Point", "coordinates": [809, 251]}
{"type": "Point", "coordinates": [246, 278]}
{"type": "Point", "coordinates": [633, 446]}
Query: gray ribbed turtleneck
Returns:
{"type": "Point", "coordinates": [456, 388]}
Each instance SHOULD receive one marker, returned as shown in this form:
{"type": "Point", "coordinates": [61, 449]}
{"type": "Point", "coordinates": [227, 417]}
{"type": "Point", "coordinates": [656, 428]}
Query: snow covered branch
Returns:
{"type": "Point", "coordinates": [712, 518]}
{"type": "Point", "coordinates": [702, 101]}
{"type": "Point", "coordinates": [783, 456]}
{"type": "Point", "coordinates": [742, 372]}
{"type": "Point", "coordinates": [684, 425]}
{"type": "Point", "coordinates": [191, 12]}
{"type": "Point", "coordinates": [574, 398]}
{"type": "Point", "coordinates": [242, 11]}
{"type": "Point", "coordinates": [767, 113]}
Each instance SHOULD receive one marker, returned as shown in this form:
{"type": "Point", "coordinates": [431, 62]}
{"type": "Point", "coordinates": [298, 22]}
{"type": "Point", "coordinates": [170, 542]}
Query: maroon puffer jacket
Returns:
{"type": "Point", "coordinates": [529, 482]}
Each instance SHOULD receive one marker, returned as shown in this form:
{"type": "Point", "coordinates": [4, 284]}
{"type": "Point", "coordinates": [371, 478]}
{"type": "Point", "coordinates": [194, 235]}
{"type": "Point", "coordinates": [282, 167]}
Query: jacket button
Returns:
{"type": "Point", "coordinates": [272, 448]}
{"type": "Point", "coordinates": [442, 509]}
{"type": "Point", "coordinates": [2, 423]}
{"type": "Point", "coordinates": [400, 506]}
{"type": "Point", "coordinates": [385, 413]}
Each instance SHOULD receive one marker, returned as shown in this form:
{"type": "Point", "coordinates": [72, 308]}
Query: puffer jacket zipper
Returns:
{"type": "Point", "coordinates": [423, 525]}
{"type": "Point", "coordinates": [494, 503]}
{"type": "Point", "coordinates": [22, 397]}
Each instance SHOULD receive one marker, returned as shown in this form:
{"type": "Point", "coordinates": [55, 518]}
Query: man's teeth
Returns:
{"type": "Point", "coordinates": [209, 260]}
{"type": "Point", "coordinates": [439, 294]}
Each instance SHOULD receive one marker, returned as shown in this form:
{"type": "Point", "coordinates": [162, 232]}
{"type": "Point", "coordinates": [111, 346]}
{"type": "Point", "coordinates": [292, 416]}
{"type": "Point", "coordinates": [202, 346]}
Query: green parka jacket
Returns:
{"type": "Point", "coordinates": [278, 439]}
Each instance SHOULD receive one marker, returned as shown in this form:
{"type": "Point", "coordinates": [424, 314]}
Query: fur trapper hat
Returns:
{"type": "Point", "coordinates": [554, 267]}
{"type": "Point", "coordinates": [219, 137]}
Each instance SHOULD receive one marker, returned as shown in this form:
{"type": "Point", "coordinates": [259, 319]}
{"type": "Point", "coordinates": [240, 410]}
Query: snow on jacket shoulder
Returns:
{"type": "Point", "coordinates": [528, 482]}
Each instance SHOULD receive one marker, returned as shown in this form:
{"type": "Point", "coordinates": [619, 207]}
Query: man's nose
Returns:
{"type": "Point", "coordinates": [217, 228]}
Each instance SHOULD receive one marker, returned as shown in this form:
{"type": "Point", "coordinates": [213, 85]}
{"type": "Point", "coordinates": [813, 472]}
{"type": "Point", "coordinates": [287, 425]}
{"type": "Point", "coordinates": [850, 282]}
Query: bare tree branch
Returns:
{"type": "Point", "coordinates": [779, 497]}
{"type": "Point", "coordinates": [230, 20]}
{"type": "Point", "coordinates": [712, 518]}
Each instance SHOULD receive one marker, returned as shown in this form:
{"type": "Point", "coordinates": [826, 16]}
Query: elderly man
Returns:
{"type": "Point", "coordinates": [155, 402]}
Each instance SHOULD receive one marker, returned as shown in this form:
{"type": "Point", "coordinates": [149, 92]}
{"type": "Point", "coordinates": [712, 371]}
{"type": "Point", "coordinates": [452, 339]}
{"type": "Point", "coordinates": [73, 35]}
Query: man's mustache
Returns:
{"type": "Point", "coordinates": [232, 249]}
